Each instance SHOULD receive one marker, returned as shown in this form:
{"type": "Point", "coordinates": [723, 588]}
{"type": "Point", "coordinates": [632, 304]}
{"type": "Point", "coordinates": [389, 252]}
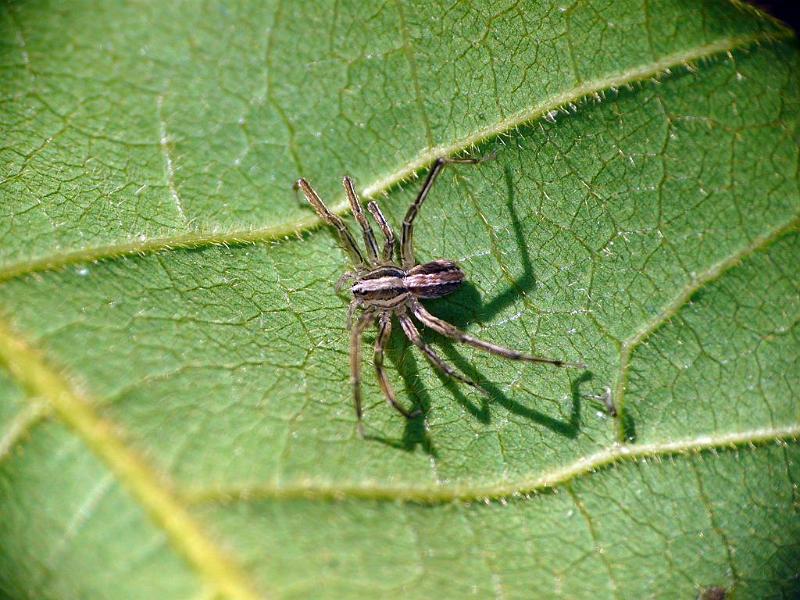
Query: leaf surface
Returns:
{"type": "Point", "coordinates": [175, 413]}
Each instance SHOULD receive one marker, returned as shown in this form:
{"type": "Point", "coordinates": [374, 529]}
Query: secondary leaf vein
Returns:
{"type": "Point", "coordinates": [681, 299]}
{"type": "Point", "coordinates": [315, 489]}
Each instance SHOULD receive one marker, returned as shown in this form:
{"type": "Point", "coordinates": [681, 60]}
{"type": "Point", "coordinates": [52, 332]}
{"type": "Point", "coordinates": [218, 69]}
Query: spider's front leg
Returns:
{"type": "Point", "coordinates": [345, 237]}
{"type": "Point", "coordinates": [388, 234]}
{"type": "Point", "coordinates": [351, 310]}
{"type": "Point", "coordinates": [358, 213]}
{"type": "Point", "coordinates": [347, 276]}
{"type": "Point", "coordinates": [407, 243]}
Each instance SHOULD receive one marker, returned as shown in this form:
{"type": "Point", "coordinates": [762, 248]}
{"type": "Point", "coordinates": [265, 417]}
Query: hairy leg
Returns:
{"type": "Point", "coordinates": [407, 244]}
{"type": "Point", "coordinates": [346, 277]}
{"type": "Point", "coordinates": [356, 333]}
{"type": "Point", "coordinates": [351, 310]}
{"type": "Point", "coordinates": [413, 334]}
{"type": "Point", "coordinates": [453, 332]}
{"type": "Point", "coordinates": [384, 331]}
{"type": "Point", "coordinates": [345, 237]}
{"type": "Point", "coordinates": [358, 213]}
{"type": "Point", "coordinates": [389, 246]}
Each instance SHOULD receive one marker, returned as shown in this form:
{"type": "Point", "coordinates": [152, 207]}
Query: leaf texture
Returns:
{"type": "Point", "coordinates": [175, 412]}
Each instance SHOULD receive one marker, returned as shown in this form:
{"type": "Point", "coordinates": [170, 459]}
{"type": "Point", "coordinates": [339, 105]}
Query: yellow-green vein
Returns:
{"type": "Point", "coordinates": [713, 272]}
{"type": "Point", "coordinates": [318, 489]}
{"type": "Point", "coordinates": [153, 492]}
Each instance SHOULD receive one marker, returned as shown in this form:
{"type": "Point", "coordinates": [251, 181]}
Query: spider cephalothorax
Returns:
{"type": "Point", "coordinates": [384, 287]}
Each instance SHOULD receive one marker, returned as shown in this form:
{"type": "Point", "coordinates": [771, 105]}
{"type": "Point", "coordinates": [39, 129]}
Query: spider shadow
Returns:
{"type": "Point", "coordinates": [466, 306]}
{"type": "Point", "coordinates": [401, 354]}
{"type": "Point", "coordinates": [568, 427]}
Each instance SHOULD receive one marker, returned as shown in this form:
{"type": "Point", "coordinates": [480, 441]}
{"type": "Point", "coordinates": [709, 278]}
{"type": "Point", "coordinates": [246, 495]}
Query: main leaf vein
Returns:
{"type": "Point", "coordinates": [196, 239]}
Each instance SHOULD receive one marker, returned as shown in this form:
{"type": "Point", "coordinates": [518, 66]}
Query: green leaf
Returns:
{"type": "Point", "coordinates": [175, 413]}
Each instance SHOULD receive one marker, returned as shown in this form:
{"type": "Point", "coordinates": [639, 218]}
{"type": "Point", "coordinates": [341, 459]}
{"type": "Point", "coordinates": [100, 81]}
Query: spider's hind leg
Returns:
{"type": "Point", "coordinates": [407, 243]}
{"type": "Point", "coordinates": [413, 334]}
{"type": "Point", "coordinates": [453, 332]}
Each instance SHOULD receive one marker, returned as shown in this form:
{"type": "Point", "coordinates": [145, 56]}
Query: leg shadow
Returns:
{"type": "Point", "coordinates": [466, 305]}
{"type": "Point", "coordinates": [569, 427]}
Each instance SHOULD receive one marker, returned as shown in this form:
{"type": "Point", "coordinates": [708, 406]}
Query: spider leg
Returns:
{"type": "Point", "coordinates": [351, 309]}
{"type": "Point", "coordinates": [358, 213]}
{"type": "Point", "coordinates": [389, 246]}
{"type": "Point", "coordinates": [355, 362]}
{"type": "Point", "coordinates": [413, 334]}
{"type": "Point", "coordinates": [453, 332]}
{"type": "Point", "coordinates": [346, 238]}
{"type": "Point", "coordinates": [384, 331]}
{"type": "Point", "coordinates": [407, 244]}
{"type": "Point", "coordinates": [348, 276]}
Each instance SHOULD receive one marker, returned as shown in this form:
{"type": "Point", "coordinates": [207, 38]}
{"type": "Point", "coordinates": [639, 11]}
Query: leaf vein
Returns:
{"type": "Point", "coordinates": [599, 551]}
{"type": "Point", "coordinates": [312, 489]}
{"type": "Point", "coordinates": [168, 165]}
{"type": "Point", "coordinates": [711, 274]}
{"type": "Point", "coordinates": [151, 490]}
{"type": "Point", "coordinates": [21, 426]}
{"type": "Point", "coordinates": [408, 50]}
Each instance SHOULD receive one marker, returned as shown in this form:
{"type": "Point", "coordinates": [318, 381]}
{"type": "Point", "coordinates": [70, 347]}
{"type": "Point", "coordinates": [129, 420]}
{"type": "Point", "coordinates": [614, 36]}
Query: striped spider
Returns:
{"type": "Point", "coordinates": [383, 287]}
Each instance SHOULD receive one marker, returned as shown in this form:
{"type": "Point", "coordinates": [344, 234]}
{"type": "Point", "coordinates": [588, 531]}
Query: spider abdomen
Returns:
{"type": "Point", "coordinates": [434, 279]}
{"type": "Point", "coordinates": [430, 280]}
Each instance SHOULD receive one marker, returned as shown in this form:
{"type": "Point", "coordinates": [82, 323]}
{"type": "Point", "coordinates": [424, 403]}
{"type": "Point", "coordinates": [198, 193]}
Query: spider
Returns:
{"type": "Point", "coordinates": [384, 287]}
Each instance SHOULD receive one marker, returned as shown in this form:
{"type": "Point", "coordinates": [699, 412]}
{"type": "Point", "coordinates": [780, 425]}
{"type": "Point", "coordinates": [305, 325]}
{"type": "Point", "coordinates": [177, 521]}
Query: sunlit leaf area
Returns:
{"type": "Point", "coordinates": [176, 414]}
